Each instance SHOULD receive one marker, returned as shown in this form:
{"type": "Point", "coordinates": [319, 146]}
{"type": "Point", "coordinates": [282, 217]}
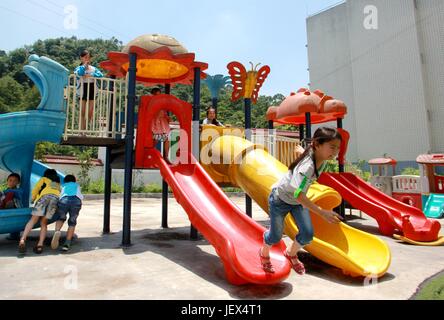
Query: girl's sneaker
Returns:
{"type": "Point", "coordinates": [66, 247]}
{"type": "Point", "coordinates": [55, 240]}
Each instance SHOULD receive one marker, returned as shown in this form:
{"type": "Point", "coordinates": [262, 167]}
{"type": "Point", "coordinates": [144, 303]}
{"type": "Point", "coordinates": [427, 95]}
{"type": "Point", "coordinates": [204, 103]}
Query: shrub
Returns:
{"type": "Point", "coordinates": [231, 189]}
{"type": "Point", "coordinates": [98, 187]}
{"type": "Point", "coordinates": [410, 171]}
{"type": "Point", "coordinates": [152, 188]}
{"type": "Point", "coordinates": [356, 169]}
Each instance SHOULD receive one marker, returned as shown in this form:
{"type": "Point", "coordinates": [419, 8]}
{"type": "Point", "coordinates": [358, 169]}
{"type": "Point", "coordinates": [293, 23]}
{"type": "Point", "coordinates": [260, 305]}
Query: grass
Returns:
{"type": "Point", "coordinates": [98, 187]}
{"type": "Point", "coordinates": [232, 189]}
{"type": "Point", "coordinates": [432, 289]}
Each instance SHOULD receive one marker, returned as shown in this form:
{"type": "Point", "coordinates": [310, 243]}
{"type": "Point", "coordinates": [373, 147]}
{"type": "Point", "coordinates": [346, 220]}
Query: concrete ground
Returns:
{"type": "Point", "coordinates": [165, 264]}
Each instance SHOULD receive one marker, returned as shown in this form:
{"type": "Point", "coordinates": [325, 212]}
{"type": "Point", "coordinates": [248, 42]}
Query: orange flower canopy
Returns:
{"type": "Point", "coordinates": [153, 67]}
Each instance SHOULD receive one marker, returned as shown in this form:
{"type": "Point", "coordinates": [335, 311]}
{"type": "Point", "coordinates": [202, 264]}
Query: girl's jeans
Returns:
{"type": "Point", "coordinates": [278, 211]}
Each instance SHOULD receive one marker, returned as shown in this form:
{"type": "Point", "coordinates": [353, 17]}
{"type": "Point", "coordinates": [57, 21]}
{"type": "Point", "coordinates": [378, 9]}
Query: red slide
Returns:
{"type": "Point", "coordinates": [393, 217]}
{"type": "Point", "coordinates": [236, 237]}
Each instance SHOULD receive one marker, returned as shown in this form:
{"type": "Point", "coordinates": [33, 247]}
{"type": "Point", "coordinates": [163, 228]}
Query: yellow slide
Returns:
{"type": "Point", "coordinates": [238, 161]}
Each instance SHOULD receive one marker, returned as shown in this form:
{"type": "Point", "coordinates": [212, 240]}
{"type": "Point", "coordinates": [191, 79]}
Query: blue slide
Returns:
{"type": "Point", "coordinates": [434, 207]}
{"type": "Point", "coordinates": [21, 131]}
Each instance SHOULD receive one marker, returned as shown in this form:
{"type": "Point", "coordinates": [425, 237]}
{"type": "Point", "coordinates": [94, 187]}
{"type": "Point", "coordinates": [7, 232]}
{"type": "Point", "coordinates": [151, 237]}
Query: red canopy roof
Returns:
{"type": "Point", "coordinates": [430, 159]}
{"type": "Point", "coordinates": [322, 108]}
{"type": "Point", "coordinates": [382, 161]}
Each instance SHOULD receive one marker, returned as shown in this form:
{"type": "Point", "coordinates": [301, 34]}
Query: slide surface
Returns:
{"type": "Point", "coordinates": [253, 169]}
{"type": "Point", "coordinates": [434, 207]}
{"type": "Point", "coordinates": [20, 131]}
{"type": "Point", "coordinates": [393, 217]}
{"type": "Point", "coordinates": [236, 238]}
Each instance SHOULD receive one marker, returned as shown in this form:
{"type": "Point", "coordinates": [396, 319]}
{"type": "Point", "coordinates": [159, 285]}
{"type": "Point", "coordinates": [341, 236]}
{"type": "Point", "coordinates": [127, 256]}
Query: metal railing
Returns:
{"type": "Point", "coordinates": [103, 116]}
{"type": "Point", "coordinates": [280, 147]}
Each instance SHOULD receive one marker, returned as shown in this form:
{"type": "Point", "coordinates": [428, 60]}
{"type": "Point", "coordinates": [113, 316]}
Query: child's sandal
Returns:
{"type": "Point", "coordinates": [266, 263]}
{"type": "Point", "coordinates": [298, 267]}
{"type": "Point", "coordinates": [22, 247]}
{"type": "Point", "coordinates": [38, 249]}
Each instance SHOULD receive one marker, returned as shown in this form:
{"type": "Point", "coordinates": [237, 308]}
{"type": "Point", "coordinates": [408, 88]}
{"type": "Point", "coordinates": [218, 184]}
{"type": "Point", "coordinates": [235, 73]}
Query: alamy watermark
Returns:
{"type": "Point", "coordinates": [71, 21]}
{"type": "Point", "coordinates": [71, 280]}
{"type": "Point", "coordinates": [371, 17]}
{"type": "Point", "coordinates": [233, 153]}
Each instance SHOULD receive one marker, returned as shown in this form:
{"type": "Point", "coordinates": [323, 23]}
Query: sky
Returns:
{"type": "Point", "coordinates": [262, 31]}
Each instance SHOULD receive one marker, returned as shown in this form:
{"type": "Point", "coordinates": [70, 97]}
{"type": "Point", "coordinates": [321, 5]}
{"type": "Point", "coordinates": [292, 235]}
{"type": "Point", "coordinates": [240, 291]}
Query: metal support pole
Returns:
{"type": "Point", "coordinates": [129, 146]}
{"type": "Point", "coordinates": [271, 143]}
{"type": "Point", "coordinates": [195, 128]}
{"type": "Point", "coordinates": [339, 125]}
{"type": "Point", "coordinates": [308, 125]}
{"type": "Point", "coordinates": [247, 104]}
{"type": "Point", "coordinates": [107, 196]}
{"type": "Point", "coordinates": [164, 183]}
{"type": "Point", "coordinates": [108, 170]}
{"type": "Point", "coordinates": [214, 102]}
{"type": "Point", "coordinates": [301, 132]}
{"type": "Point", "coordinates": [341, 169]}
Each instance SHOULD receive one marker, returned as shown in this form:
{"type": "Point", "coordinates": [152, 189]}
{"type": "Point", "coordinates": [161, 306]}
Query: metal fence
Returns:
{"type": "Point", "coordinates": [280, 147]}
{"type": "Point", "coordinates": [95, 109]}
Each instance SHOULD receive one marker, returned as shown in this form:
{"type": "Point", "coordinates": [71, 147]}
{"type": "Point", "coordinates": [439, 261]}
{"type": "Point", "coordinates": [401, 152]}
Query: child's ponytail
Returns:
{"type": "Point", "coordinates": [302, 156]}
{"type": "Point", "coordinates": [321, 136]}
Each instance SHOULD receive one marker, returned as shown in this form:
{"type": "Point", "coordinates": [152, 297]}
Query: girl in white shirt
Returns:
{"type": "Point", "coordinates": [288, 195]}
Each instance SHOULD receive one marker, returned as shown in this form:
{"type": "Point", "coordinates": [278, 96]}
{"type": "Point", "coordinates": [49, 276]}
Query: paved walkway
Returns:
{"type": "Point", "coordinates": [165, 264]}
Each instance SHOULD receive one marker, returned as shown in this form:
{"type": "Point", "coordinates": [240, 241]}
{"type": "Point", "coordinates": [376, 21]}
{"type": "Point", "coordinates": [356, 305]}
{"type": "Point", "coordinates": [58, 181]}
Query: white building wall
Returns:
{"type": "Point", "coordinates": [430, 20]}
{"type": "Point", "coordinates": [330, 64]}
{"type": "Point", "coordinates": [389, 82]}
{"type": "Point", "coordinates": [387, 78]}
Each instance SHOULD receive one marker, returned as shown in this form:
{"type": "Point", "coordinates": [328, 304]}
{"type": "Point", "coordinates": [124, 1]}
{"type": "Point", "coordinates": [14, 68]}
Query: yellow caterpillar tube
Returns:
{"type": "Point", "coordinates": [254, 170]}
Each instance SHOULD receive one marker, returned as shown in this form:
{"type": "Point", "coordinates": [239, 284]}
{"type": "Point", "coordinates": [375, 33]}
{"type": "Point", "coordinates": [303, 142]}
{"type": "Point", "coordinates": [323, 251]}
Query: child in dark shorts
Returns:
{"type": "Point", "coordinates": [70, 203]}
{"type": "Point", "coordinates": [86, 86]}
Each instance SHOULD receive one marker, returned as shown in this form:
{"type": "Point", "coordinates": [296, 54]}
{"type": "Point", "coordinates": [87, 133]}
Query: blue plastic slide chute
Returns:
{"type": "Point", "coordinates": [434, 207]}
{"type": "Point", "coordinates": [21, 131]}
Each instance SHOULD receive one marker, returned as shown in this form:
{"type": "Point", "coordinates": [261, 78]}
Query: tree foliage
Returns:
{"type": "Point", "coordinates": [18, 93]}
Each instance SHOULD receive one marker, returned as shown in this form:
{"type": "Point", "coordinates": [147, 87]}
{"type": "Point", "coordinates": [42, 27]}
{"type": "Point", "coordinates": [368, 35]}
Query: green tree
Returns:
{"type": "Point", "coordinates": [63, 50]}
{"type": "Point", "coordinates": [84, 157]}
{"type": "Point", "coordinates": [11, 94]}
{"type": "Point", "coordinates": [410, 171]}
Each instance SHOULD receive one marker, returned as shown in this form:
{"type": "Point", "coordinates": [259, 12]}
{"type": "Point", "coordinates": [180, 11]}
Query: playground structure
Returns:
{"type": "Point", "coordinates": [425, 192]}
{"type": "Point", "coordinates": [234, 235]}
{"type": "Point", "coordinates": [394, 218]}
{"type": "Point", "coordinates": [20, 131]}
{"type": "Point", "coordinates": [253, 169]}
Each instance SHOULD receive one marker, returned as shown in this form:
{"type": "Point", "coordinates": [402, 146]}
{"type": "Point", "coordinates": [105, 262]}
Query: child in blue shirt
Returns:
{"type": "Point", "coordinates": [70, 202]}
{"type": "Point", "coordinates": [11, 197]}
{"type": "Point", "coordinates": [86, 88]}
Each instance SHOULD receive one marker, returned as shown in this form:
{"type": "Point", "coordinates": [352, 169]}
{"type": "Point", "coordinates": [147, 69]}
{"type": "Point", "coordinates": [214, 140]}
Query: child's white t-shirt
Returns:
{"type": "Point", "coordinates": [90, 71]}
{"type": "Point", "coordinates": [293, 183]}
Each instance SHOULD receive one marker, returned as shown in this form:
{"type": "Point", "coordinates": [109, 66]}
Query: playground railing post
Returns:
{"type": "Point", "coordinates": [247, 104]}
{"type": "Point", "coordinates": [129, 146]}
{"type": "Point", "coordinates": [195, 129]}
{"type": "Point", "coordinates": [164, 183]}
